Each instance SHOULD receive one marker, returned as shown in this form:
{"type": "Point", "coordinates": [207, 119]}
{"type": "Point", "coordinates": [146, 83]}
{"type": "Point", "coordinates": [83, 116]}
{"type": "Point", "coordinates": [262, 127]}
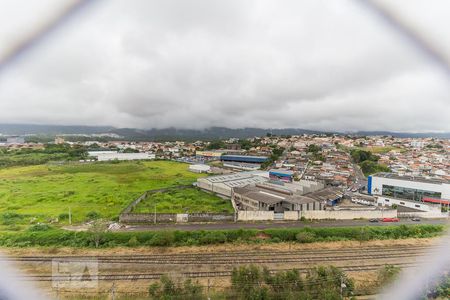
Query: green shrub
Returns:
{"type": "Point", "coordinates": [163, 239]}
{"type": "Point", "coordinates": [93, 215]}
{"type": "Point", "coordinates": [63, 216]}
{"type": "Point", "coordinates": [10, 218]}
{"type": "Point", "coordinates": [133, 242]}
{"type": "Point", "coordinates": [13, 227]}
{"type": "Point", "coordinates": [305, 237]}
{"type": "Point", "coordinates": [213, 237]}
{"type": "Point", "coordinates": [39, 227]}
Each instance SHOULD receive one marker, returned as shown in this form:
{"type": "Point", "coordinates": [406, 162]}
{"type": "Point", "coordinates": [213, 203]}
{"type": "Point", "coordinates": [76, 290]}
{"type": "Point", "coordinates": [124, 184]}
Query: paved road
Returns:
{"type": "Point", "coordinates": [266, 225]}
{"type": "Point", "coordinates": [361, 180]}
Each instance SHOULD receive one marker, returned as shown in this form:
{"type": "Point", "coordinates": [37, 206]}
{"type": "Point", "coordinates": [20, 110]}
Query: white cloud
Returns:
{"type": "Point", "coordinates": [193, 64]}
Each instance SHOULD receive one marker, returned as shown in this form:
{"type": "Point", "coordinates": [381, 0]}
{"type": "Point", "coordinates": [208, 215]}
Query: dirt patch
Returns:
{"type": "Point", "coordinates": [262, 236]}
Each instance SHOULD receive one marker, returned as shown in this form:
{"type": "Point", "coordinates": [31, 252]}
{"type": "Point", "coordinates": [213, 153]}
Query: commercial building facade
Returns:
{"type": "Point", "coordinates": [407, 191]}
{"type": "Point", "coordinates": [209, 154]}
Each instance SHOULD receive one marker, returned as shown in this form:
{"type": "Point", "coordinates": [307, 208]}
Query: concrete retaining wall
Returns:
{"type": "Point", "coordinates": [291, 215]}
{"type": "Point", "coordinates": [349, 214]}
{"type": "Point", "coordinates": [210, 217]}
{"type": "Point", "coordinates": [426, 215]}
{"type": "Point", "coordinates": [175, 218]}
{"type": "Point", "coordinates": [317, 214]}
{"type": "Point", "coordinates": [147, 218]}
{"type": "Point", "coordinates": [255, 215]}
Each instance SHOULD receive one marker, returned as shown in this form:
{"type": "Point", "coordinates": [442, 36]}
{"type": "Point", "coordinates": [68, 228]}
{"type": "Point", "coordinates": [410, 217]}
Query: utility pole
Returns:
{"type": "Point", "coordinates": [342, 287]}
{"type": "Point", "coordinates": [57, 291]}
{"type": "Point", "coordinates": [113, 291]}
{"type": "Point", "coordinates": [208, 290]}
{"type": "Point", "coordinates": [70, 216]}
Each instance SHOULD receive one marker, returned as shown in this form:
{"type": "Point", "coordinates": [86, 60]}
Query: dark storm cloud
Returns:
{"type": "Point", "coordinates": [200, 63]}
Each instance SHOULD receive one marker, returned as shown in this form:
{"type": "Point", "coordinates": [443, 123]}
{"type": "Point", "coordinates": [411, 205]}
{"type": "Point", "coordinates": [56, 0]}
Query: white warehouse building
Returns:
{"type": "Point", "coordinates": [223, 184]}
{"type": "Point", "coordinates": [113, 155]}
{"type": "Point", "coordinates": [414, 192]}
{"type": "Point", "coordinates": [199, 168]}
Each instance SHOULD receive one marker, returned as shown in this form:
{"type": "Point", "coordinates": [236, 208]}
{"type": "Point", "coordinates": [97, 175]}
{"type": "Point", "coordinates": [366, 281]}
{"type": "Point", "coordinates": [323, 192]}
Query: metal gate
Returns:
{"type": "Point", "coordinates": [278, 216]}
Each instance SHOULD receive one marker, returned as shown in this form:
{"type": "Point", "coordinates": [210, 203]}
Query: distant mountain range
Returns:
{"type": "Point", "coordinates": [186, 134]}
{"type": "Point", "coordinates": [23, 129]}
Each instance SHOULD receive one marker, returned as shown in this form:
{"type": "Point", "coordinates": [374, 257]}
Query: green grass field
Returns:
{"type": "Point", "coordinates": [46, 191]}
{"type": "Point", "coordinates": [184, 200]}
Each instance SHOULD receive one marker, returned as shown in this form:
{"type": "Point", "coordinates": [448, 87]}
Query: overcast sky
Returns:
{"type": "Point", "coordinates": [327, 65]}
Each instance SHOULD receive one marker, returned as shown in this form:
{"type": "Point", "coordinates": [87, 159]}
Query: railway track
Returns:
{"type": "Point", "coordinates": [321, 256]}
{"type": "Point", "coordinates": [147, 276]}
{"type": "Point", "coordinates": [381, 252]}
{"type": "Point", "coordinates": [237, 261]}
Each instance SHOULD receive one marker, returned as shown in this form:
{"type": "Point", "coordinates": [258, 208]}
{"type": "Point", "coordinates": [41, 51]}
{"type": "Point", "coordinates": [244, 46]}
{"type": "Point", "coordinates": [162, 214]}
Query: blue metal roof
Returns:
{"type": "Point", "coordinates": [244, 158]}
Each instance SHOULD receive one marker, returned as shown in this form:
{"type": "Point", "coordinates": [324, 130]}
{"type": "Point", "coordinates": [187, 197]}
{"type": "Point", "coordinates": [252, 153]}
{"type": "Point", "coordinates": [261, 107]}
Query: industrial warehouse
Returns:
{"type": "Point", "coordinates": [270, 198]}
{"type": "Point", "coordinates": [279, 194]}
{"type": "Point", "coordinates": [223, 184]}
{"type": "Point", "coordinates": [257, 191]}
{"type": "Point", "coordinates": [233, 159]}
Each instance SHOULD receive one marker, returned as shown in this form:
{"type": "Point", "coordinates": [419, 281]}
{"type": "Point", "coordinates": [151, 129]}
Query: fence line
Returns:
{"type": "Point", "coordinates": [127, 216]}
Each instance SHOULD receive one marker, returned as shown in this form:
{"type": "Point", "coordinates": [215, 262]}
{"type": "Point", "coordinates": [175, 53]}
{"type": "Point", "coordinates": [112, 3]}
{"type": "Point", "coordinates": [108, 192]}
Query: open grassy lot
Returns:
{"type": "Point", "coordinates": [47, 191]}
{"type": "Point", "coordinates": [380, 149]}
{"type": "Point", "coordinates": [184, 200]}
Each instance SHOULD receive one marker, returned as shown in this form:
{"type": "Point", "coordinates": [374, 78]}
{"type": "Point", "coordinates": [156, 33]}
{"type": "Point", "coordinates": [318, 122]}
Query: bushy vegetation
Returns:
{"type": "Point", "coordinates": [441, 288]}
{"type": "Point", "coordinates": [255, 283]}
{"type": "Point", "coordinates": [313, 148]}
{"type": "Point", "coordinates": [90, 190]}
{"type": "Point", "coordinates": [436, 289]}
{"type": "Point", "coordinates": [368, 162]}
{"type": "Point", "coordinates": [388, 274]}
{"type": "Point", "coordinates": [182, 201]}
{"type": "Point", "coordinates": [167, 289]}
{"type": "Point", "coordinates": [215, 145]}
{"type": "Point", "coordinates": [359, 156]}
{"type": "Point", "coordinates": [51, 152]}
{"type": "Point", "coordinates": [276, 153]}
{"type": "Point", "coordinates": [57, 237]}
{"type": "Point", "coordinates": [370, 167]}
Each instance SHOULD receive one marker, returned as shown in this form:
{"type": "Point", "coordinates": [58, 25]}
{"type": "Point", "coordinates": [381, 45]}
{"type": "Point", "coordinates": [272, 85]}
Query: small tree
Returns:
{"type": "Point", "coordinates": [364, 235]}
{"type": "Point", "coordinates": [98, 229]}
{"type": "Point", "coordinates": [168, 289]}
{"type": "Point", "coordinates": [246, 283]}
{"type": "Point", "coordinates": [327, 282]}
{"type": "Point", "coordinates": [387, 274]}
